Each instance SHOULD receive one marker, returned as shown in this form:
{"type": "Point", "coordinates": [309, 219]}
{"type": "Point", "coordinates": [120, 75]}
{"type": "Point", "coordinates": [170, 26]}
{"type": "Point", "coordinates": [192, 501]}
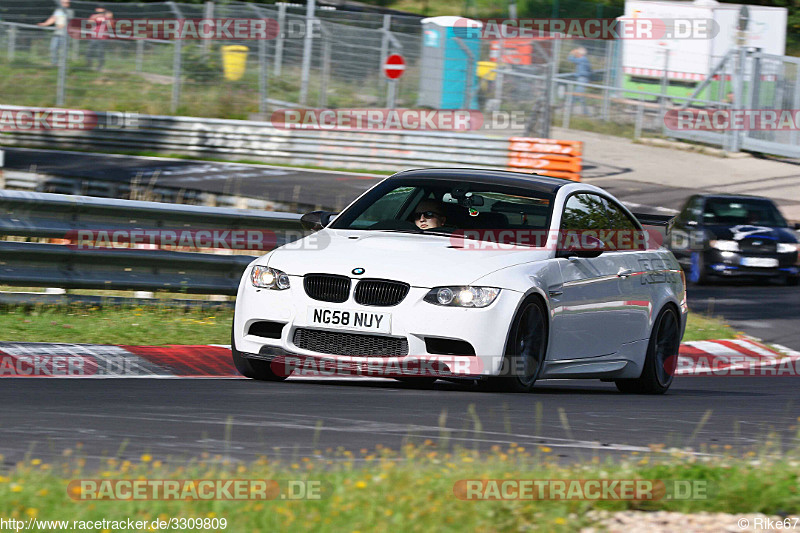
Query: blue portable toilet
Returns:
{"type": "Point", "coordinates": [448, 77]}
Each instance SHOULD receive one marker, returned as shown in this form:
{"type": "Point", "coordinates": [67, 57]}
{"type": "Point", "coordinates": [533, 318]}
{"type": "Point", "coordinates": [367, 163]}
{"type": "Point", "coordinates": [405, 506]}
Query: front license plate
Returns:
{"type": "Point", "coordinates": [764, 262]}
{"type": "Point", "coordinates": [350, 319]}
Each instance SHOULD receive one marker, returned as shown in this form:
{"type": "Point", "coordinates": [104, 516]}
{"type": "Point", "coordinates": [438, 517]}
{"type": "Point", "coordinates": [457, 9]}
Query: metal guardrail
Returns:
{"type": "Point", "coordinates": [54, 216]}
{"type": "Point", "coordinates": [139, 188]}
{"type": "Point", "coordinates": [206, 137]}
{"type": "Point", "coordinates": [33, 299]}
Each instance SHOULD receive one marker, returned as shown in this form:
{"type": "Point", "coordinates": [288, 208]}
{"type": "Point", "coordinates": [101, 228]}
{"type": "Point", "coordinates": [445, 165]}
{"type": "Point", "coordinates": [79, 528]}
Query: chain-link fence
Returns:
{"type": "Point", "coordinates": [744, 80]}
{"type": "Point", "coordinates": [189, 76]}
{"type": "Point", "coordinates": [340, 66]}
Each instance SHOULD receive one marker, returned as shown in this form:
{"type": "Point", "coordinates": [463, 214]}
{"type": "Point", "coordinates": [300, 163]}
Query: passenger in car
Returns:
{"type": "Point", "coordinates": [429, 214]}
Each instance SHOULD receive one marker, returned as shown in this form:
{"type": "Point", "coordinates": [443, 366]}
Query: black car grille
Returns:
{"type": "Point", "coordinates": [380, 292]}
{"type": "Point", "coordinates": [327, 287]}
{"type": "Point", "coordinates": [336, 343]}
{"type": "Point", "coordinates": [758, 246]}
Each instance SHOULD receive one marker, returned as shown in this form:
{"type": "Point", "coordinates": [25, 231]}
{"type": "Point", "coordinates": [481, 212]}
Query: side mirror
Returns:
{"type": "Point", "coordinates": [589, 247]}
{"type": "Point", "coordinates": [315, 220]}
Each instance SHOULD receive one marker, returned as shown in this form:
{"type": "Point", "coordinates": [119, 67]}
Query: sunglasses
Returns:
{"type": "Point", "coordinates": [426, 214]}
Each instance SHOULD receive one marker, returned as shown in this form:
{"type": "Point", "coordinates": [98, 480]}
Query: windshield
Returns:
{"type": "Point", "coordinates": [438, 206]}
{"type": "Point", "coordinates": [738, 211]}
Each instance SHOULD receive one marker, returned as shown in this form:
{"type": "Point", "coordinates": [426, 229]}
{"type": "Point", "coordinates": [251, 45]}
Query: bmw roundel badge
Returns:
{"type": "Point", "coordinates": [358, 271]}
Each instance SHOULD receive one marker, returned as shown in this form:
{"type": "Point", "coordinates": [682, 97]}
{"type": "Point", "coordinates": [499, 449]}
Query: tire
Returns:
{"type": "Point", "coordinates": [525, 351]}
{"type": "Point", "coordinates": [661, 359]}
{"type": "Point", "coordinates": [250, 368]}
{"type": "Point", "coordinates": [792, 281]}
{"type": "Point", "coordinates": [697, 271]}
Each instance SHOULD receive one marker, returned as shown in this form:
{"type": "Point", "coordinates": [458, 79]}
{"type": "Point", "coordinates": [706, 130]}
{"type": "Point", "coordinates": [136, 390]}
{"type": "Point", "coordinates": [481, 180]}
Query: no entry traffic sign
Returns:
{"type": "Point", "coordinates": [394, 67]}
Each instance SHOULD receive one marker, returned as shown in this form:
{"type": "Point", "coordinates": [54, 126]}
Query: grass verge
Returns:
{"type": "Point", "coordinates": [155, 325]}
{"type": "Point", "coordinates": [411, 489]}
{"type": "Point", "coordinates": [108, 325]}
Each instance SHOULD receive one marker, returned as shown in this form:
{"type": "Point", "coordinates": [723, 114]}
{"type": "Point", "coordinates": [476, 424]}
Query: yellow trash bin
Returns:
{"type": "Point", "coordinates": [487, 70]}
{"type": "Point", "coordinates": [234, 61]}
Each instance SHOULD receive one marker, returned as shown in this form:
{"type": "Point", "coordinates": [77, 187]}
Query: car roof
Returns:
{"type": "Point", "coordinates": [734, 197]}
{"type": "Point", "coordinates": [534, 182]}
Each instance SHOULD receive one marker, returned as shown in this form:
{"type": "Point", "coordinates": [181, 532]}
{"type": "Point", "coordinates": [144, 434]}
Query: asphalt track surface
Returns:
{"type": "Point", "coordinates": [180, 419]}
{"type": "Point", "coordinates": [327, 189]}
{"type": "Point", "coordinates": [183, 418]}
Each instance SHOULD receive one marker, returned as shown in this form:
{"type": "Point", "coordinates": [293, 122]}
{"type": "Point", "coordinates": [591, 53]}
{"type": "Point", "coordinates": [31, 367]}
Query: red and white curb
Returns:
{"type": "Point", "coordinates": [35, 359]}
{"type": "Point", "coordinates": [744, 356]}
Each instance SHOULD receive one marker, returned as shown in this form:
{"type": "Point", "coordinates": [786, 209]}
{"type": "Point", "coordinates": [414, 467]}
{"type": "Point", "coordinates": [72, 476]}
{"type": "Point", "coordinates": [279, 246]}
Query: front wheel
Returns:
{"type": "Point", "coordinates": [661, 359]}
{"type": "Point", "coordinates": [250, 368]}
{"type": "Point", "coordinates": [526, 349]}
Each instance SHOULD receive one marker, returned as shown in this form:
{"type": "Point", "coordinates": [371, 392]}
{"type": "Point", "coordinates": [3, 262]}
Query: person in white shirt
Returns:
{"type": "Point", "coordinates": [59, 19]}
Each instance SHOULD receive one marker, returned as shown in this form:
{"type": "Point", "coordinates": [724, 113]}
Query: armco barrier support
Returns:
{"type": "Point", "coordinates": [370, 150]}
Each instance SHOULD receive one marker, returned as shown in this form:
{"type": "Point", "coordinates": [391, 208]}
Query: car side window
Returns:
{"type": "Point", "coordinates": [627, 234]}
{"type": "Point", "coordinates": [690, 210]}
{"type": "Point", "coordinates": [585, 211]}
{"type": "Point", "coordinates": [619, 219]}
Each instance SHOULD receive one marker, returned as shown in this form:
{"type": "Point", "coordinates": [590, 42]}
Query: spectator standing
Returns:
{"type": "Point", "coordinates": [59, 19]}
{"type": "Point", "coordinates": [102, 19]}
{"type": "Point", "coordinates": [583, 71]}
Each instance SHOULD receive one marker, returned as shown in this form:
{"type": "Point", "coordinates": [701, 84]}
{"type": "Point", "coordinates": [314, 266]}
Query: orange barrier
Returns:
{"type": "Point", "coordinates": [548, 157]}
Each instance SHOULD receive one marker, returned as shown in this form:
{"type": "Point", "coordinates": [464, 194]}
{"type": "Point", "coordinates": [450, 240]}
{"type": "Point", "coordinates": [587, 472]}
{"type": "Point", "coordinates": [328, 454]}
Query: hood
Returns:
{"type": "Point", "coordinates": [420, 260]}
{"type": "Point", "coordinates": [746, 232]}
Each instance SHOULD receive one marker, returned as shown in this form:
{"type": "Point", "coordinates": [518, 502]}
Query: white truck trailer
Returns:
{"type": "Point", "coordinates": [691, 60]}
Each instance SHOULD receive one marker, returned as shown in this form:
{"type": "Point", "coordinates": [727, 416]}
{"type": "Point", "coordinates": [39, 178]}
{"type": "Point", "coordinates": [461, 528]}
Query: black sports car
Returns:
{"type": "Point", "coordinates": [724, 236]}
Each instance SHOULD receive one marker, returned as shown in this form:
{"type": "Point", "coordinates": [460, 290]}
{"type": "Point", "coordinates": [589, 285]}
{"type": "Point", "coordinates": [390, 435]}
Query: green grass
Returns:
{"type": "Point", "coordinates": [410, 489]}
{"type": "Point", "coordinates": [701, 327]}
{"type": "Point", "coordinates": [609, 127]}
{"type": "Point", "coordinates": [138, 325]}
{"type": "Point", "coordinates": [28, 81]}
{"type": "Point", "coordinates": [158, 325]}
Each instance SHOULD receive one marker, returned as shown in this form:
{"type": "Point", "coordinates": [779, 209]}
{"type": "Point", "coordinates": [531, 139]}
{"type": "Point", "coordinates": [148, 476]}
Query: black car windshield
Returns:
{"type": "Point", "coordinates": [742, 211]}
{"type": "Point", "coordinates": [461, 207]}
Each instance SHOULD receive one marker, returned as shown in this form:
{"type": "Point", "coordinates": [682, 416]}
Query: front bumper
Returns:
{"type": "Point", "coordinates": [414, 320]}
{"type": "Point", "coordinates": [730, 264]}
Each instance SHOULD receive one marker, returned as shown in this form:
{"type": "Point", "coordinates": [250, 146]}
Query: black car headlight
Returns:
{"type": "Point", "coordinates": [269, 278]}
{"type": "Point", "coordinates": [724, 245]}
{"type": "Point", "coordinates": [788, 247]}
{"type": "Point", "coordinates": [462, 296]}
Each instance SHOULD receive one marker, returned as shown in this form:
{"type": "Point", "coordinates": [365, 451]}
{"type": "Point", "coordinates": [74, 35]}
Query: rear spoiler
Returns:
{"type": "Point", "coordinates": [661, 223]}
{"type": "Point", "coordinates": [656, 220]}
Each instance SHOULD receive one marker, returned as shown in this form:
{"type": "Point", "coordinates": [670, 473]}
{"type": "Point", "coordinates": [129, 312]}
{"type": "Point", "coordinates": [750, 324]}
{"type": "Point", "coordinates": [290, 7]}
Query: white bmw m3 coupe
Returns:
{"type": "Point", "coordinates": [478, 274]}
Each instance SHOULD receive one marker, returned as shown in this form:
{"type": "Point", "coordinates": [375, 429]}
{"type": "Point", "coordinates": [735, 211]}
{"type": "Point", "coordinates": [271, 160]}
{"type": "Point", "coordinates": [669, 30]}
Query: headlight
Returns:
{"type": "Point", "coordinates": [788, 247]}
{"type": "Point", "coordinates": [725, 246]}
{"type": "Point", "coordinates": [462, 296]}
{"type": "Point", "coordinates": [269, 278]}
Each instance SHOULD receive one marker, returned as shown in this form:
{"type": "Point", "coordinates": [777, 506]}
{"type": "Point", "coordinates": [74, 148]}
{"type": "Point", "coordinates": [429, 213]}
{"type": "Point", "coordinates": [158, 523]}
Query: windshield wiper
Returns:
{"type": "Point", "coordinates": [412, 231]}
